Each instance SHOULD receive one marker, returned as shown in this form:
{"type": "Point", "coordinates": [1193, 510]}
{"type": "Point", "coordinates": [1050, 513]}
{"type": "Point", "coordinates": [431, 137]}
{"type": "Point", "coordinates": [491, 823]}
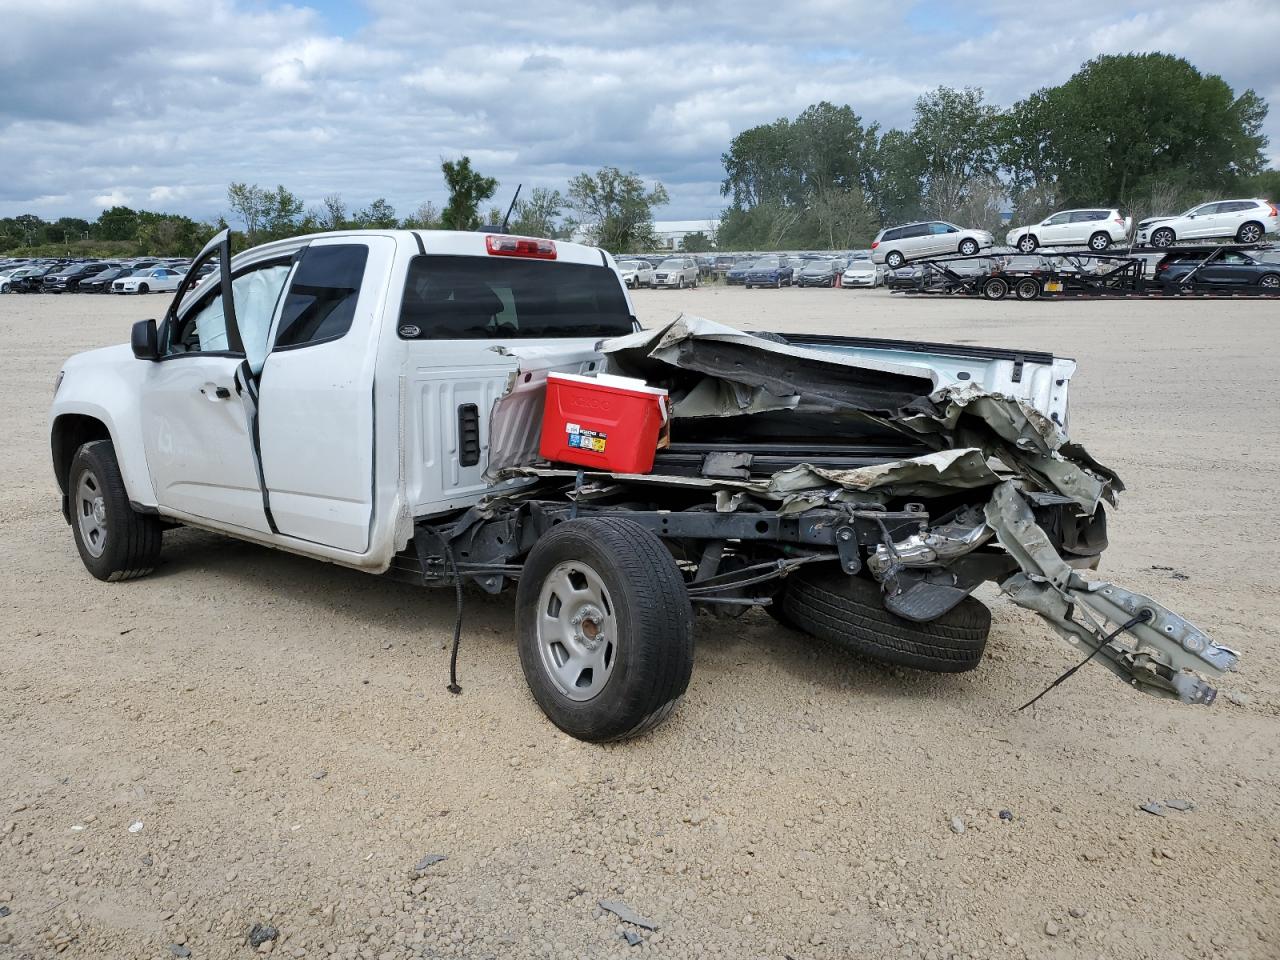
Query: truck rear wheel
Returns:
{"type": "Point", "coordinates": [847, 611]}
{"type": "Point", "coordinates": [115, 541]}
{"type": "Point", "coordinates": [604, 628]}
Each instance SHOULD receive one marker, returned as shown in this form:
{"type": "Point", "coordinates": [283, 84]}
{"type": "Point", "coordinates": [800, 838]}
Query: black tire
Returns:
{"type": "Point", "coordinates": [1100, 241]}
{"type": "Point", "coordinates": [968, 247]}
{"type": "Point", "coordinates": [894, 259]}
{"type": "Point", "coordinates": [143, 288]}
{"type": "Point", "coordinates": [1027, 243]}
{"type": "Point", "coordinates": [995, 289]}
{"type": "Point", "coordinates": [847, 611]}
{"type": "Point", "coordinates": [645, 595]}
{"type": "Point", "coordinates": [1163, 237]}
{"type": "Point", "coordinates": [129, 545]}
{"type": "Point", "coordinates": [1026, 289]}
{"type": "Point", "coordinates": [1250, 232]}
{"type": "Point", "coordinates": [777, 284]}
{"type": "Point", "coordinates": [1269, 281]}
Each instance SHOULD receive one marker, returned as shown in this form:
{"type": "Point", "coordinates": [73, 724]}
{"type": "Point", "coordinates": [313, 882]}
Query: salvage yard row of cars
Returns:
{"type": "Point", "coordinates": [149, 275]}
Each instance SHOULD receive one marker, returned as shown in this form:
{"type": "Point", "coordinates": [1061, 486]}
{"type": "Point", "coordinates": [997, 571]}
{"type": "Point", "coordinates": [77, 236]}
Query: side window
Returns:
{"type": "Point", "coordinates": [1058, 218]}
{"type": "Point", "coordinates": [321, 302]}
{"type": "Point", "coordinates": [938, 228]}
{"type": "Point", "coordinates": [203, 328]}
{"type": "Point", "coordinates": [919, 230]}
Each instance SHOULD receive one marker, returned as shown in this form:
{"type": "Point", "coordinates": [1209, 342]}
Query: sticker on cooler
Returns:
{"type": "Point", "coordinates": [580, 414]}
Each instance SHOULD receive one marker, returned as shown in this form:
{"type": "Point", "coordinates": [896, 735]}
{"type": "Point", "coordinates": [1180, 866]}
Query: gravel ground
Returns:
{"type": "Point", "coordinates": [248, 738]}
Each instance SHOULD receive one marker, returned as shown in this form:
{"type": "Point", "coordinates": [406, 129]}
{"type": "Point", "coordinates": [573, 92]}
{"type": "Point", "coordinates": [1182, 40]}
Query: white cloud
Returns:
{"type": "Point", "coordinates": [98, 111]}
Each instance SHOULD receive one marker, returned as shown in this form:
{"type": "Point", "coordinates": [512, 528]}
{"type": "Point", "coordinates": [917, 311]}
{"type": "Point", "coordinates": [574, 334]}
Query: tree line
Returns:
{"type": "Point", "coordinates": [1146, 132]}
{"type": "Point", "coordinates": [610, 208]}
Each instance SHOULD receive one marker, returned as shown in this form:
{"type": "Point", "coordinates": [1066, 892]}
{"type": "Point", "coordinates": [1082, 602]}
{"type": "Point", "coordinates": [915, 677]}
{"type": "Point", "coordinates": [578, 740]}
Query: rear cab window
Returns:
{"type": "Point", "coordinates": [449, 297]}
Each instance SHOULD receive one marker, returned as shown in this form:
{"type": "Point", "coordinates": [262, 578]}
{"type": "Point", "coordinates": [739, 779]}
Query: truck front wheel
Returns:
{"type": "Point", "coordinates": [604, 628]}
{"type": "Point", "coordinates": [115, 541]}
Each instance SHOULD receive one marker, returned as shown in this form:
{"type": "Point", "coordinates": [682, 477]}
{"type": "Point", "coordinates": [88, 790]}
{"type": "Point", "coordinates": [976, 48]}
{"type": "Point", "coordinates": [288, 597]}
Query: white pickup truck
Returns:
{"type": "Point", "coordinates": [374, 399]}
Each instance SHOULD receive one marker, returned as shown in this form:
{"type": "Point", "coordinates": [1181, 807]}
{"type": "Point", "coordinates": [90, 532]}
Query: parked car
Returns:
{"type": "Point", "coordinates": [636, 273]}
{"type": "Point", "coordinates": [895, 246]}
{"type": "Point", "coordinates": [101, 282]}
{"type": "Point", "coordinates": [862, 273]}
{"type": "Point", "coordinates": [818, 273]}
{"type": "Point", "coordinates": [769, 272]}
{"type": "Point", "coordinates": [5, 276]}
{"type": "Point", "coordinates": [678, 272]}
{"type": "Point", "coordinates": [68, 279]}
{"type": "Point", "coordinates": [1096, 228]}
{"type": "Point", "coordinates": [151, 280]}
{"type": "Point", "coordinates": [30, 279]}
{"type": "Point", "coordinates": [737, 274]}
{"type": "Point", "coordinates": [1186, 269]}
{"type": "Point", "coordinates": [1245, 221]}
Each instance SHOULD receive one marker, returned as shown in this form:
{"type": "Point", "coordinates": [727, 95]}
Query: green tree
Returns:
{"type": "Point", "coordinates": [1123, 123]}
{"type": "Point", "coordinates": [334, 215]}
{"type": "Point", "coordinates": [538, 213]}
{"type": "Point", "coordinates": [467, 190]}
{"type": "Point", "coordinates": [426, 217]}
{"type": "Point", "coordinates": [955, 139]}
{"type": "Point", "coordinates": [379, 215]}
{"type": "Point", "coordinates": [117, 223]}
{"type": "Point", "coordinates": [249, 203]}
{"type": "Point", "coordinates": [616, 209]}
{"type": "Point", "coordinates": [281, 213]}
{"type": "Point", "coordinates": [697, 243]}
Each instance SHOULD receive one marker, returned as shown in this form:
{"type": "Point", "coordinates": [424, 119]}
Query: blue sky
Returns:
{"type": "Point", "coordinates": [365, 99]}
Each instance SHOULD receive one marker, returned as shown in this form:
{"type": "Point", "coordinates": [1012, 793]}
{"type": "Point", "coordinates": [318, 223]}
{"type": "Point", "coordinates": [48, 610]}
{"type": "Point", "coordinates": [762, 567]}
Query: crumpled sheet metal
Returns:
{"type": "Point", "coordinates": [949, 418]}
{"type": "Point", "coordinates": [753, 374]}
{"type": "Point", "coordinates": [801, 486]}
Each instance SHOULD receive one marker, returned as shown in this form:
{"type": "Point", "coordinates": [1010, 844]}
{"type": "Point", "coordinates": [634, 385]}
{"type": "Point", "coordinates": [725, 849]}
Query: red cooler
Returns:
{"type": "Point", "coordinates": [605, 422]}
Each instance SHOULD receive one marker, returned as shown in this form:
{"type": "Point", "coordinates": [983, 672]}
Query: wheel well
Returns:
{"type": "Point", "coordinates": [71, 431]}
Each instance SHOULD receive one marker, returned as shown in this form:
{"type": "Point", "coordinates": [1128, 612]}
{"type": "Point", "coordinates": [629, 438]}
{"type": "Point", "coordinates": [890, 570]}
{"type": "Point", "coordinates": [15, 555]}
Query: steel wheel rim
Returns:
{"type": "Point", "coordinates": [91, 513]}
{"type": "Point", "coordinates": [577, 631]}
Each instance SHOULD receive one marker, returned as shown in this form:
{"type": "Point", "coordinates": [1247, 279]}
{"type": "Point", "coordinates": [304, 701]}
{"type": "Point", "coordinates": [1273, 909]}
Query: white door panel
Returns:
{"type": "Point", "coordinates": [199, 449]}
{"type": "Point", "coordinates": [316, 414]}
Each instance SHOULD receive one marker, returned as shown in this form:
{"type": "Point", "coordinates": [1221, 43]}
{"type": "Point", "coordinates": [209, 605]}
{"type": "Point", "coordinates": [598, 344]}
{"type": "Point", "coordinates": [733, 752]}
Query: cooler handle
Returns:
{"type": "Point", "coordinates": [662, 406]}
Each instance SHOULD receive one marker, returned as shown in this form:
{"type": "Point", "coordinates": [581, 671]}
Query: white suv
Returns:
{"type": "Point", "coordinates": [930, 238]}
{"type": "Point", "coordinates": [1245, 221]}
{"type": "Point", "coordinates": [1095, 227]}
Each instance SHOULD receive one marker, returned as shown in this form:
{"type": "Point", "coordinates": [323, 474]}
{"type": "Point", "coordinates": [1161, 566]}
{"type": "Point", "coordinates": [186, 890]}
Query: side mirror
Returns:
{"type": "Point", "coordinates": [144, 340]}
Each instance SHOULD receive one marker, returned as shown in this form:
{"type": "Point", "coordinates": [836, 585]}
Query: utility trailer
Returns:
{"type": "Point", "coordinates": [1085, 273]}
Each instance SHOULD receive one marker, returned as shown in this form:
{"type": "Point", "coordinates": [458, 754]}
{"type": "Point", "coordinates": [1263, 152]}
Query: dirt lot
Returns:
{"type": "Point", "coordinates": [281, 731]}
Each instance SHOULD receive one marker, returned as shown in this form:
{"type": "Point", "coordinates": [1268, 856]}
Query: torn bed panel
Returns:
{"type": "Point", "coordinates": [972, 442]}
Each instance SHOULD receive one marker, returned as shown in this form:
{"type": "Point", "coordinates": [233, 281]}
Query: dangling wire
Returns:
{"type": "Point", "coordinates": [453, 687]}
{"type": "Point", "coordinates": [1142, 617]}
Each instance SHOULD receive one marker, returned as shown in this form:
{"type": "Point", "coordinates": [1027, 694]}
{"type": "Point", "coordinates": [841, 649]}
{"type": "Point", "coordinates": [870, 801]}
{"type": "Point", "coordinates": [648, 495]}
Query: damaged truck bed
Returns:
{"type": "Point", "coordinates": [803, 464]}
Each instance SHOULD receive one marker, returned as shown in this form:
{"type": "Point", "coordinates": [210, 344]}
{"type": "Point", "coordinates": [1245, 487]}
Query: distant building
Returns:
{"type": "Point", "coordinates": [671, 233]}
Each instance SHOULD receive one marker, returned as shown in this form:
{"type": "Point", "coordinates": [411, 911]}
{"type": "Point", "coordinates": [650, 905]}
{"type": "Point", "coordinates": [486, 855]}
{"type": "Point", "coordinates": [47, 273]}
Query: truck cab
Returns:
{"type": "Point", "coordinates": [345, 391]}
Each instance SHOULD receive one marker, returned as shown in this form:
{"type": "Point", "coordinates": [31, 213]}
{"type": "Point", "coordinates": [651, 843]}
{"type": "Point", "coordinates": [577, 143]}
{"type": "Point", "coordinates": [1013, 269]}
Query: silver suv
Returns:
{"type": "Point", "coordinates": [930, 238]}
